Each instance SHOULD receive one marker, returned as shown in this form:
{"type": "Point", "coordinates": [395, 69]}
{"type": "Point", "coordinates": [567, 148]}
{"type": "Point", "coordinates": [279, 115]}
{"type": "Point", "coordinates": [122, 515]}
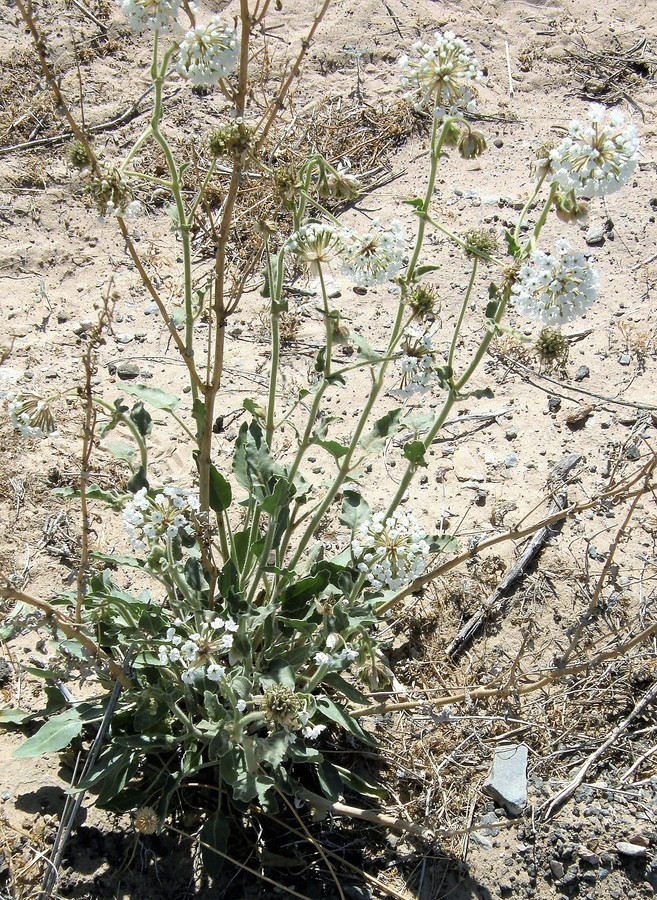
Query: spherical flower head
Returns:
{"type": "Point", "coordinates": [555, 288]}
{"type": "Point", "coordinates": [375, 257]}
{"type": "Point", "coordinates": [391, 552]}
{"type": "Point", "coordinates": [444, 74]}
{"type": "Point", "coordinates": [31, 415]}
{"type": "Point", "coordinates": [156, 15]}
{"type": "Point", "coordinates": [316, 243]}
{"type": "Point", "coordinates": [208, 53]}
{"type": "Point", "coordinates": [597, 157]}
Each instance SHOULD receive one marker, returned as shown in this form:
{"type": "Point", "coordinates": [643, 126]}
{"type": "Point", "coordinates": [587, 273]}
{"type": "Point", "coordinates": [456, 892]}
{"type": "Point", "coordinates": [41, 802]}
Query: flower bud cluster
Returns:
{"type": "Point", "coordinates": [208, 53]}
{"type": "Point", "coordinates": [555, 288]}
{"type": "Point", "coordinates": [113, 197]}
{"type": "Point", "coordinates": [596, 158]}
{"type": "Point", "coordinates": [444, 74]}
{"type": "Point", "coordinates": [233, 139]}
{"type": "Point", "coordinates": [391, 552]}
{"type": "Point", "coordinates": [149, 520]}
{"type": "Point", "coordinates": [339, 185]}
{"type": "Point", "coordinates": [31, 415]}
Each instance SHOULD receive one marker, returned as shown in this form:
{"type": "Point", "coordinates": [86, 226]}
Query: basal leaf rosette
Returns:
{"type": "Point", "coordinates": [555, 288]}
{"type": "Point", "coordinates": [441, 74]}
{"type": "Point", "coordinates": [597, 157]}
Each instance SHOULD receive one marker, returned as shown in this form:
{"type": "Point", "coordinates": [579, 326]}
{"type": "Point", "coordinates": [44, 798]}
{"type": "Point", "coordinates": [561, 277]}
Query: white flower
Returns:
{"type": "Point", "coordinates": [311, 732]}
{"type": "Point", "coordinates": [215, 672]}
{"type": "Point", "coordinates": [188, 676]}
{"type": "Point", "coordinates": [375, 257]}
{"type": "Point", "coordinates": [31, 415]}
{"type": "Point", "coordinates": [174, 655]}
{"type": "Point", "coordinates": [130, 211]}
{"type": "Point", "coordinates": [231, 625]}
{"type": "Point", "coordinates": [596, 158]}
{"type": "Point", "coordinates": [392, 552]}
{"type": "Point", "coordinates": [556, 288]}
{"type": "Point", "coordinates": [225, 642]}
{"type": "Point", "coordinates": [443, 75]}
{"type": "Point", "coordinates": [316, 243]}
{"type": "Point", "coordinates": [217, 624]}
{"type": "Point", "coordinates": [208, 53]}
{"type": "Point", "coordinates": [323, 659]}
{"type": "Point", "coordinates": [156, 15]}
{"type": "Point", "coordinates": [240, 706]}
{"type": "Point", "coordinates": [189, 650]}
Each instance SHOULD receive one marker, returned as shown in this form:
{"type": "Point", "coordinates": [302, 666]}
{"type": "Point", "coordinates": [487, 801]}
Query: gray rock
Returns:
{"type": "Point", "coordinates": [557, 869]}
{"type": "Point", "coordinates": [627, 849]}
{"type": "Point", "coordinates": [596, 235]}
{"type": "Point", "coordinates": [127, 370]}
{"type": "Point", "coordinates": [507, 781]}
{"type": "Point", "coordinates": [625, 359]}
{"type": "Point", "coordinates": [582, 373]}
{"type": "Point", "coordinates": [554, 404]}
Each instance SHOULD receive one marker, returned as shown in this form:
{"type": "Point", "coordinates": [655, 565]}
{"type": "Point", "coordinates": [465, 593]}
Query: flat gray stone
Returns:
{"type": "Point", "coordinates": [628, 849]}
{"type": "Point", "coordinates": [507, 781]}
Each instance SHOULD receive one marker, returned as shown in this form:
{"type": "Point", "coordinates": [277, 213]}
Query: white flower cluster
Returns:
{"type": "Point", "coordinates": [31, 415]}
{"type": "Point", "coordinates": [148, 520]}
{"type": "Point", "coordinates": [197, 652]}
{"type": "Point", "coordinates": [316, 243]}
{"type": "Point", "coordinates": [418, 362]}
{"type": "Point", "coordinates": [208, 53]}
{"type": "Point", "coordinates": [596, 158]}
{"type": "Point", "coordinates": [156, 15]}
{"type": "Point", "coordinates": [375, 257]}
{"type": "Point", "coordinates": [392, 552]}
{"type": "Point", "coordinates": [556, 288]}
{"type": "Point", "coordinates": [130, 211]}
{"type": "Point", "coordinates": [367, 260]}
{"type": "Point", "coordinates": [443, 75]}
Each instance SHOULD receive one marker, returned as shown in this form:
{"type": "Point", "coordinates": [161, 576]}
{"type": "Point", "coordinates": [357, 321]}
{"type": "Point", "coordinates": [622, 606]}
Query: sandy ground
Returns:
{"type": "Point", "coordinates": [543, 62]}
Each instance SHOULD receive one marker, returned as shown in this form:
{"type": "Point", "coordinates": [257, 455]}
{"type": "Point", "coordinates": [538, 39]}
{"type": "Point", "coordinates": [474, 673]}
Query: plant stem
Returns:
{"type": "Point", "coordinates": [464, 306]}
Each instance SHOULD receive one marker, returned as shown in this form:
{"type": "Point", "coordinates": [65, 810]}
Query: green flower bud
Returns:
{"type": "Point", "coordinates": [472, 144]}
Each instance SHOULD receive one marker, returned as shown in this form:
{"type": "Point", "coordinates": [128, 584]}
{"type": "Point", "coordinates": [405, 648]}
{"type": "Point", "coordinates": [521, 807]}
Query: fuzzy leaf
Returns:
{"type": "Point", "coordinates": [383, 429]}
{"type": "Point", "coordinates": [54, 735]}
{"type": "Point", "coordinates": [221, 493]}
{"type": "Point", "coordinates": [154, 396]}
{"type": "Point", "coordinates": [142, 418]}
{"type": "Point", "coordinates": [355, 510]}
{"type": "Point", "coordinates": [214, 837]}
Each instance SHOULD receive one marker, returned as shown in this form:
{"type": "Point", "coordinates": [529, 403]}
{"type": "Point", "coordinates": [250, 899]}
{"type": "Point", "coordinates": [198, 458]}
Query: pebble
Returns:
{"type": "Point", "coordinates": [557, 869]}
{"type": "Point", "coordinates": [5, 795]}
{"type": "Point", "coordinates": [127, 370]}
{"type": "Point", "coordinates": [579, 416]}
{"type": "Point", "coordinates": [126, 338]}
{"type": "Point", "coordinates": [632, 850]}
{"type": "Point", "coordinates": [625, 359]}
{"type": "Point", "coordinates": [632, 452]}
{"type": "Point", "coordinates": [511, 461]}
{"type": "Point", "coordinates": [507, 780]}
{"type": "Point", "coordinates": [595, 235]}
{"type": "Point", "coordinates": [554, 404]}
{"type": "Point", "coordinates": [582, 373]}
{"type": "Point", "coordinates": [510, 434]}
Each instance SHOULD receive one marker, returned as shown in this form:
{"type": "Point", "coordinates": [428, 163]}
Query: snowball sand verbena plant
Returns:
{"type": "Point", "coordinates": [255, 636]}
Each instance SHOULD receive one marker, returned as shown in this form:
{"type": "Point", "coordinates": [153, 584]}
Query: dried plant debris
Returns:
{"type": "Point", "coordinates": [610, 74]}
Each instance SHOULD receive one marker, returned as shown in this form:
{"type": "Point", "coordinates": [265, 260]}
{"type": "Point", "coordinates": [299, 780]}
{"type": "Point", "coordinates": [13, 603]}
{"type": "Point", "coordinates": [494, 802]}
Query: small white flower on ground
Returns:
{"type": "Point", "coordinates": [208, 53]}
{"type": "Point", "coordinates": [156, 15]}
{"type": "Point", "coordinates": [555, 288]}
{"type": "Point", "coordinates": [391, 552]}
{"type": "Point", "coordinates": [375, 257]}
{"type": "Point", "coordinates": [443, 75]}
{"type": "Point", "coordinates": [597, 157]}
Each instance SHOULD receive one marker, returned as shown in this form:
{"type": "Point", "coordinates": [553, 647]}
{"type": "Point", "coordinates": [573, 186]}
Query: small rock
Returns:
{"type": "Point", "coordinates": [588, 856]}
{"type": "Point", "coordinates": [628, 418]}
{"type": "Point", "coordinates": [126, 338]}
{"type": "Point", "coordinates": [127, 370]}
{"type": "Point", "coordinates": [632, 452]}
{"type": "Point", "coordinates": [625, 359]}
{"type": "Point", "coordinates": [596, 235]}
{"type": "Point", "coordinates": [361, 291]}
{"type": "Point", "coordinates": [578, 417]}
{"type": "Point", "coordinates": [554, 403]}
{"type": "Point", "coordinates": [5, 671]}
{"type": "Point", "coordinates": [582, 373]}
{"type": "Point", "coordinates": [633, 850]}
{"type": "Point", "coordinates": [507, 781]}
{"type": "Point", "coordinates": [511, 461]}
{"type": "Point", "coordinates": [557, 869]}
{"type": "Point", "coordinates": [510, 434]}
{"type": "Point", "coordinates": [498, 142]}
